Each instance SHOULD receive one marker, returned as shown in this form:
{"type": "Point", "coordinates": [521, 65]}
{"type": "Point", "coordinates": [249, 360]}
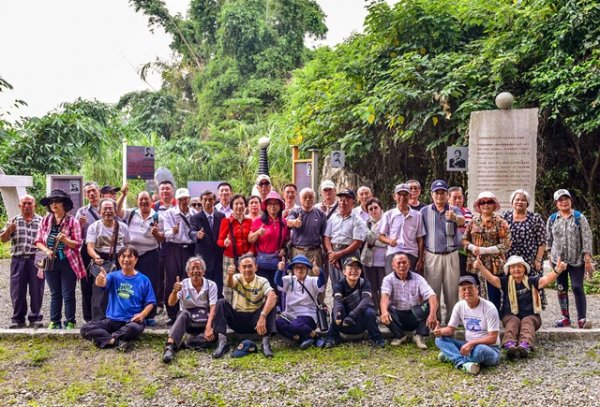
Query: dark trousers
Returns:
{"type": "Point", "coordinates": [87, 286]}
{"type": "Point", "coordinates": [240, 322]}
{"type": "Point", "coordinates": [183, 323]}
{"type": "Point", "coordinates": [23, 275]}
{"type": "Point", "coordinates": [301, 326]}
{"type": "Point", "coordinates": [100, 296]}
{"type": "Point", "coordinates": [494, 295]}
{"type": "Point", "coordinates": [216, 274]}
{"type": "Point", "coordinates": [62, 282]}
{"type": "Point", "coordinates": [160, 293]}
{"type": "Point", "coordinates": [403, 321]}
{"type": "Point", "coordinates": [375, 276]}
{"type": "Point", "coordinates": [462, 262]}
{"type": "Point", "coordinates": [147, 264]}
{"type": "Point", "coordinates": [562, 287]}
{"type": "Point", "coordinates": [367, 320]}
{"type": "Point", "coordinates": [177, 256]}
{"type": "Point", "coordinates": [101, 332]}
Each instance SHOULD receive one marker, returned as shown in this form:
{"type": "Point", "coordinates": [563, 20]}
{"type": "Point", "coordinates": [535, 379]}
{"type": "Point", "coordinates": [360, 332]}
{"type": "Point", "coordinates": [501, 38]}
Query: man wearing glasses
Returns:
{"type": "Point", "coordinates": [415, 192]}
{"type": "Point", "coordinates": [263, 186]}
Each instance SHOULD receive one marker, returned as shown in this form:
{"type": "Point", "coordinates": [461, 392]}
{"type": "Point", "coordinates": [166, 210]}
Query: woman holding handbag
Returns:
{"type": "Point", "coordinates": [298, 321]}
{"type": "Point", "coordinates": [59, 237]}
{"type": "Point", "coordinates": [269, 233]}
{"type": "Point", "coordinates": [233, 237]}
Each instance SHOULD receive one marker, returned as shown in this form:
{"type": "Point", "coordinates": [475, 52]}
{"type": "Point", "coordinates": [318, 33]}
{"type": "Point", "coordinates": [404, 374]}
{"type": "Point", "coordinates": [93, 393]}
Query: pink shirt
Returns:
{"type": "Point", "coordinates": [267, 243]}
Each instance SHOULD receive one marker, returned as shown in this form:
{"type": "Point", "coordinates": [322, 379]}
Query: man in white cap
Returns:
{"type": "Point", "coordinates": [263, 186]}
{"type": "Point", "coordinates": [179, 245]}
{"type": "Point", "coordinates": [329, 204]}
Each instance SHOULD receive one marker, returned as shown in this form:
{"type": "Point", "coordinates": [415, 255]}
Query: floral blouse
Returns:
{"type": "Point", "coordinates": [526, 236]}
{"type": "Point", "coordinates": [494, 232]}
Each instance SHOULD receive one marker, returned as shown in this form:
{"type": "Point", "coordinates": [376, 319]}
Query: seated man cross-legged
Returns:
{"type": "Point", "coordinates": [252, 309]}
{"type": "Point", "coordinates": [407, 303]}
{"type": "Point", "coordinates": [482, 323]}
{"type": "Point", "coordinates": [197, 298]}
{"type": "Point", "coordinates": [130, 300]}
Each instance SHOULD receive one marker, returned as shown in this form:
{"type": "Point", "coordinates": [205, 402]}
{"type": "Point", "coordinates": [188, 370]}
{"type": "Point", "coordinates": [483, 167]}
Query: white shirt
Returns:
{"type": "Point", "coordinates": [102, 236]}
{"type": "Point", "coordinates": [478, 321]}
{"type": "Point", "coordinates": [140, 230]}
{"type": "Point", "coordinates": [297, 301]}
{"type": "Point", "coordinates": [190, 298]}
{"type": "Point", "coordinates": [172, 217]}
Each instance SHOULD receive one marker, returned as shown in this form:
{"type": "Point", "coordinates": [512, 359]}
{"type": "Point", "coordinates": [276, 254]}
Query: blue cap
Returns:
{"type": "Point", "coordinates": [244, 348]}
{"type": "Point", "coordinates": [439, 184]}
{"type": "Point", "coordinates": [467, 280]}
{"type": "Point", "coordinates": [300, 259]}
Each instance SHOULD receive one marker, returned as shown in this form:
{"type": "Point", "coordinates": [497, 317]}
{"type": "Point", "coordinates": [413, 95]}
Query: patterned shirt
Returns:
{"type": "Point", "coordinates": [526, 236]}
{"type": "Point", "coordinates": [442, 235]}
{"type": "Point", "coordinates": [249, 297]}
{"type": "Point", "coordinates": [405, 294]}
{"type": "Point", "coordinates": [569, 240]}
{"type": "Point", "coordinates": [21, 240]}
{"type": "Point", "coordinates": [494, 232]}
{"type": "Point", "coordinates": [406, 229]}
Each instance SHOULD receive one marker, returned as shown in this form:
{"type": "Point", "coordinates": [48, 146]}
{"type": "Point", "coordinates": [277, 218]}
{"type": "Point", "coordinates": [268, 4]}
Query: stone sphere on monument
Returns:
{"type": "Point", "coordinates": [504, 100]}
{"type": "Point", "coordinates": [264, 142]}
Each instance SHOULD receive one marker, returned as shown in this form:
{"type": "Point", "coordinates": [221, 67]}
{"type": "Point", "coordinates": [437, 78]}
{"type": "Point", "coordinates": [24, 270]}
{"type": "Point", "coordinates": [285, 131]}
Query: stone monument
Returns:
{"type": "Point", "coordinates": [12, 188]}
{"type": "Point", "coordinates": [503, 151]}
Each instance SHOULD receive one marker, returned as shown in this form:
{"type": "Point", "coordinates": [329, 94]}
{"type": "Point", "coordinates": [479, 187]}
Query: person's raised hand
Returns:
{"type": "Point", "coordinates": [177, 286]}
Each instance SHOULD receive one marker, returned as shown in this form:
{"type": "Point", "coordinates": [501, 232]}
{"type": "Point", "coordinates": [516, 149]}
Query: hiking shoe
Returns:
{"type": "Point", "coordinates": [221, 350]}
{"type": "Point", "coordinates": [17, 325]}
{"type": "Point", "coordinates": [70, 325]}
{"type": "Point", "coordinates": [471, 367]}
{"type": "Point", "coordinates": [54, 325]}
{"type": "Point", "coordinates": [169, 353]}
{"type": "Point", "coordinates": [419, 341]}
{"type": "Point", "coordinates": [378, 343]}
{"type": "Point", "coordinates": [267, 351]}
{"type": "Point", "coordinates": [443, 358]}
{"type": "Point", "coordinates": [584, 324]}
{"type": "Point", "coordinates": [399, 341]}
{"type": "Point", "coordinates": [36, 324]}
{"type": "Point", "coordinates": [563, 323]}
{"type": "Point", "coordinates": [307, 343]}
{"type": "Point", "coordinates": [511, 349]}
{"type": "Point", "coordinates": [524, 349]}
{"type": "Point", "coordinates": [124, 346]}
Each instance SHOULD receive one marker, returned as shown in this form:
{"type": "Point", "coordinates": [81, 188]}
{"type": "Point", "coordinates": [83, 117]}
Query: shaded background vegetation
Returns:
{"type": "Point", "coordinates": [396, 95]}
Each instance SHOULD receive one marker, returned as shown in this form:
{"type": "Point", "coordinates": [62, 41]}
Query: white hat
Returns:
{"type": "Point", "coordinates": [182, 193]}
{"type": "Point", "coordinates": [485, 196]}
{"type": "Point", "coordinates": [263, 177]}
{"type": "Point", "coordinates": [327, 184]}
{"type": "Point", "coordinates": [512, 260]}
{"type": "Point", "coordinates": [562, 192]}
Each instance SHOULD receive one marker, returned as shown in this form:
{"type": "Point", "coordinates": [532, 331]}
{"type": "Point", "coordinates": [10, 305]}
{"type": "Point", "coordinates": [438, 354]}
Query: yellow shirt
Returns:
{"type": "Point", "coordinates": [248, 297]}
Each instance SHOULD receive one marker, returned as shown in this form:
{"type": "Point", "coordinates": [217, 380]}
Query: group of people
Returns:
{"type": "Point", "coordinates": [261, 264]}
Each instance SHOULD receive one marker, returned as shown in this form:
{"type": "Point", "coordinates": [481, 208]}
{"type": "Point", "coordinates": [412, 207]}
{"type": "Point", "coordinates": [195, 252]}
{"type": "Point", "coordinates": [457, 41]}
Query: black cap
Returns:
{"type": "Point", "coordinates": [107, 189]}
{"type": "Point", "coordinates": [347, 192]}
{"type": "Point", "coordinates": [353, 259]}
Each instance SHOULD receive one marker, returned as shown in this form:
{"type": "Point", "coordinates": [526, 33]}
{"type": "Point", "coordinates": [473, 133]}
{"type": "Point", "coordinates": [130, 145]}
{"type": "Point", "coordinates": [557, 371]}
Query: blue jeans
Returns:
{"type": "Point", "coordinates": [485, 355]}
{"type": "Point", "coordinates": [366, 321]}
{"type": "Point", "coordinates": [62, 282]}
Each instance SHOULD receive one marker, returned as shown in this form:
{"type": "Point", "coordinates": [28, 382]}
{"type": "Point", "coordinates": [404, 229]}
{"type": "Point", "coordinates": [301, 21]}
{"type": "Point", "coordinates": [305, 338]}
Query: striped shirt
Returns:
{"type": "Point", "coordinates": [248, 297]}
{"type": "Point", "coordinates": [21, 240]}
{"type": "Point", "coordinates": [405, 294]}
{"type": "Point", "coordinates": [442, 235]}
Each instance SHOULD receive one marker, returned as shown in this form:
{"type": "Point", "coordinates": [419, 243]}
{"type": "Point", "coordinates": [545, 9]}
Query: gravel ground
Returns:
{"type": "Point", "coordinates": [69, 371]}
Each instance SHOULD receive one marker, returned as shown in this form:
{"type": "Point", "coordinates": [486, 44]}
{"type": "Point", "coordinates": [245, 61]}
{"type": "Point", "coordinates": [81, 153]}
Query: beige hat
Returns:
{"type": "Point", "coordinates": [512, 260]}
{"type": "Point", "coordinates": [486, 196]}
{"type": "Point", "coordinates": [327, 184]}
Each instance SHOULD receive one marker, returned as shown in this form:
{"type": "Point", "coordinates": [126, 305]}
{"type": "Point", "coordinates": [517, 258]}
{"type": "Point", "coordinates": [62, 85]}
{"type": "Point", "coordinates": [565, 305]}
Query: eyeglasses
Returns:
{"type": "Point", "coordinates": [264, 184]}
{"type": "Point", "coordinates": [486, 202]}
{"type": "Point", "coordinates": [195, 205]}
{"type": "Point", "coordinates": [467, 288]}
{"type": "Point", "coordinates": [372, 208]}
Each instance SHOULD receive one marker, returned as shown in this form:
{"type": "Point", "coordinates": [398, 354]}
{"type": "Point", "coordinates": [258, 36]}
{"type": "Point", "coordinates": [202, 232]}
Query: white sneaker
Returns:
{"type": "Point", "coordinates": [471, 368]}
{"type": "Point", "coordinates": [419, 341]}
{"type": "Point", "coordinates": [399, 341]}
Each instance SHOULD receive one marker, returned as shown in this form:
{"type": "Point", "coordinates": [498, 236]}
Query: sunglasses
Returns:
{"type": "Point", "coordinates": [486, 202]}
{"type": "Point", "coordinates": [56, 201]}
{"type": "Point", "coordinates": [264, 184]}
{"type": "Point", "coordinates": [195, 205]}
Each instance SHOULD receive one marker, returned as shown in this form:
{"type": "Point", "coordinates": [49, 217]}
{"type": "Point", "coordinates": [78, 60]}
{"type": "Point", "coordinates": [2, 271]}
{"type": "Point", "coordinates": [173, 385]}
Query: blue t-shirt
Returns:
{"type": "Point", "coordinates": [127, 295]}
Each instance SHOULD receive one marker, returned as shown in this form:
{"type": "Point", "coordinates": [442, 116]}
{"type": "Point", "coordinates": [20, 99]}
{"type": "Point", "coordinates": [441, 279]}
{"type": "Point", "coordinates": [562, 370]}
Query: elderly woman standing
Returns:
{"type": "Point", "coordinates": [254, 206]}
{"type": "Point", "coordinates": [527, 232]}
{"type": "Point", "coordinates": [569, 237]}
{"type": "Point", "coordinates": [373, 254]}
{"type": "Point", "coordinates": [487, 237]}
{"type": "Point", "coordinates": [59, 236]}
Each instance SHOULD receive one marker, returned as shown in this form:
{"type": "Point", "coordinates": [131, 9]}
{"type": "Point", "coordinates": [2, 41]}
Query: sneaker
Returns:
{"type": "Point", "coordinates": [320, 343]}
{"type": "Point", "coordinates": [524, 349]}
{"type": "Point", "coordinates": [17, 325]}
{"type": "Point", "coordinates": [124, 346]}
{"type": "Point", "coordinates": [471, 367]}
{"type": "Point", "coordinates": [70, 325]}
{"type": "Point", "coordinates": [307, 343]}
{"type": "Point", "coordinates": [36, 324]}
{"type": "Point", "coordinates": [221, 350]}
{"type": "Point", "coordinates": [150, 322]}
{"type": "Point", "coordinates": [419, 341]}
{"type": "Point", "coordinates": [169, 353]}
{"type": "Point", "coordinates": [443, 358]}
{"type": "Point", "coordinates": [54, 325]}
{"type": "Point", "coordinates": [399, 341]}
{"type": "Point", "coordinates": [563, 323]}
{"type": "Point", "coordinates": [584, 324]}
{"type": "Point", "coordinates": [378, 343]}
{"type": "Point", "coordinates": [511, 349]}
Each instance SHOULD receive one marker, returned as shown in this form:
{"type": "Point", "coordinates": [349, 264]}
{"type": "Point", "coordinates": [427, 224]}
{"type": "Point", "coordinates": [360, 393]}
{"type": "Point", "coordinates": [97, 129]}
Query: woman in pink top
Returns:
{"type": "Point", "coordinates": [269, 233]}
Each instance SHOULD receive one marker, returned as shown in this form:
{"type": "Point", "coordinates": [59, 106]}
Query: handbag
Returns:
{"type": "Point", "coordinates": [42, 261]}
{"type": "Point", "coordinates": [199, 315]}
{"type": "Point", "coordinates": [322, 311]}
{"type": "Point", "coordinates": [267, 261]}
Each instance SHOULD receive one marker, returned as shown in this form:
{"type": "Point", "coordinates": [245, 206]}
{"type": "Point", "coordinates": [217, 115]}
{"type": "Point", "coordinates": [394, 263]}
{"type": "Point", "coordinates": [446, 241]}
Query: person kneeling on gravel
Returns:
{"type": "Point", "coordinates": [197, 298]}
{"type": "Point", "coordinates": [480, 319]}
{"type": "Point", "coordinates": [252, 309]}
{"type": "Point", "coordinates": [130, 300]}
{"type": "Point", "coordinates": [522, 305]}
{"type": "Point", "coordinates": [298, 321]}
{"type": "Point", "coordinates": [353, 308]}
{"type": "Point", "coordinates": [402, 306]}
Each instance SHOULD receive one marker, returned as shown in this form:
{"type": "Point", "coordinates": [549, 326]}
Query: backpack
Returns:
{"type": "Point", "coordinates": [576, 214]}
{"type": "Point", "coordinates": [132, 214]}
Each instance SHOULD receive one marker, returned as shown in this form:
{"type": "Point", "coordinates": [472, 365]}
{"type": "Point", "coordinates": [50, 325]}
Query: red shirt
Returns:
{"type": "Point", "coordinates": [240, 233]}
{"type": "Point", "coordinates": [268, 243]}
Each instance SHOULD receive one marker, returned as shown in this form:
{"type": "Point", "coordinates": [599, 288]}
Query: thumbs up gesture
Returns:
{"type": "Point", "coordinates": [281, 264]}
{"type": "Point", "coordinates": [437, 331]}
{"type": "Point", "coordinates": [200, 234]}
{"type": "Point", "coordinates": [231, 269]}
{"type": "Point", "coordinates": [227, 242]}
{"type": "Point", "coordinates": [101, 279]}
{"type": "Point", "coordinates": [315, 269]}
{"type": "Point", "coordinates": [176, 229]}
{"type": "Point", "coordinates": [261, 231]}
{"type": "Point", "coordinates": [177, 286]}
{"type": "Point", "coordinates": [11, 227]}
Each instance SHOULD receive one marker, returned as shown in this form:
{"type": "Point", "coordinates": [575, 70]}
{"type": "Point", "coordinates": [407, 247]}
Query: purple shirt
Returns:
{"type": "Point", "coordinates": [405, 229]}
